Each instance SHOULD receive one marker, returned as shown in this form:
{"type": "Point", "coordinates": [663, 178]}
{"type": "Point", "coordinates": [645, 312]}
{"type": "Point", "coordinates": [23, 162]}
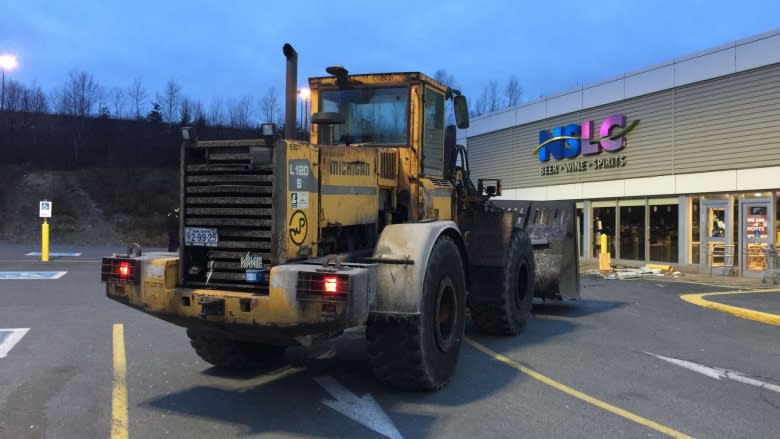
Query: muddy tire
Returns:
{"type": "Point", "coordinates": [421, 352]}
{"type": "Point", "coordinates": [510, 313]}
{"type": "Point", "coordinates": [232, 354]}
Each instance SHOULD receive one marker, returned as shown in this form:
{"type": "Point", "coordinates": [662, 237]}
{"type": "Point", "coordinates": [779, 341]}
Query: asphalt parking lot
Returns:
{"type": "Point", "coordinates": [632, 359]}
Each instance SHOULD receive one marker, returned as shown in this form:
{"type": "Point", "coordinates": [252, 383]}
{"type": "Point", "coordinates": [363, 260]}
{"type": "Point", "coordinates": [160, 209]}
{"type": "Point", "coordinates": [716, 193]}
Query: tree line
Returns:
{"type": "Point", "coordinates": [81, 95]}
{"type": "Point", "coordinates": [494, 96]}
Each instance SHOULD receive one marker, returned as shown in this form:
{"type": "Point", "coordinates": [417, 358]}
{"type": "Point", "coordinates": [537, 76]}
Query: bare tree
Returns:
{"type": "Point", "coordinates": [78, 97]}
{"type": "Point", "coordinates": [185, 111]}
{"type": "Point", "coordinates": [137, 94]}
{"type": "Point", "coordinates": [79, 94]}
{"type": "Point", "coordinates": [269, 105]}
{"type": "Point", "coordinates": [170, 100]}
{"type": "Point", "coordinates": [118, 100]}
{"type": "Point", "coordinates": [14, 95]}
{"type": "Point", "coordinates": [198, 114]}
{"type": "Point", "coordinates": [58, 101]}
{"type": "Point", "coordinates": [513, 92]}
{"type": "Point", "coordinates": [34, 100]}
{"type": "Point", "coordinates": [217, 111]}
{"type": "Point", "coordinates": [491, 92]}
{"type": "Point", "coordinates": [488, 100]}
{"type": "Point", "coordinates": [240, 112]}
{"type": "Point", "coordinates": [447, 79]}
{"type": "Point", "coordinates": [102, 99]}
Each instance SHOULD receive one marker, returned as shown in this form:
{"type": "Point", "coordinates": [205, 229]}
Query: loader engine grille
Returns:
{"type": "Point", "coordinates": [388, 164]}
{"type": "Point", "coordinates": [227, 188]}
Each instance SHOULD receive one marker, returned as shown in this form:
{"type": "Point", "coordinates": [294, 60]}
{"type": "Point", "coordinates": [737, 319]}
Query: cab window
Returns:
{"type": "Point", "coordinates": [371, 115]}
{"type": "Point", "coordinates": [433, 133]}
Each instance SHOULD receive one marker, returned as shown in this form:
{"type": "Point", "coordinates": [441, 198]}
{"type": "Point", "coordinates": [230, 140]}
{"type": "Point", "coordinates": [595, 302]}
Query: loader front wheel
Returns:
{"type": "Point", "coordinates": [421, 352]}
{"type": "Point", "coordinates": [510, 313]}
{"type": "Point", "coordinates": [233, 354]}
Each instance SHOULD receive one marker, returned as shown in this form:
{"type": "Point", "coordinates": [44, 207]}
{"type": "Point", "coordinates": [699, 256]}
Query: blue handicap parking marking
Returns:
{"type": "Point", "coordinates": [57, 254]}
{"type": "Point", "coordinates": [31, 275]}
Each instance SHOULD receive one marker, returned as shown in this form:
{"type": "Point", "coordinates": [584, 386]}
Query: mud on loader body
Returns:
{"type": "Point", "coordinates": [374, 222]}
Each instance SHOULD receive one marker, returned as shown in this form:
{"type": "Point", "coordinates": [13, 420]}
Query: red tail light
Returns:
{"type": "Point", "coordinates": [120, 271]}
{"type": "Point", "coordinates": [333, 287]}
{"type": "Point", "coordinates": [330, 284]}
{"type": "Point", "coordinates": [124, 269]}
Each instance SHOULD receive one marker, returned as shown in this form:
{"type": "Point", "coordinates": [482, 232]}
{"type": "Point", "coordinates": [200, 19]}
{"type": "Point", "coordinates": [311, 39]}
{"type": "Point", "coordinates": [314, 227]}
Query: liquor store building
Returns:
{"type": "Point", "coordinates": [678, 163]}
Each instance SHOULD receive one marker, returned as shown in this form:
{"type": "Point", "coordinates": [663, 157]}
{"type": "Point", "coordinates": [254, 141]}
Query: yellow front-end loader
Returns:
{"type": "Point", "coordinates": [375, 221]}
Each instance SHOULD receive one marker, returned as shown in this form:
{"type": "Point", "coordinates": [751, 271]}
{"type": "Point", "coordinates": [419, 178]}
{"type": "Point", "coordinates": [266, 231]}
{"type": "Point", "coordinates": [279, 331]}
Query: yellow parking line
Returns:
{"type": "Point", "coordinates": [744, 313]}
{"type": "Point", "coordinates": [119, 392]}
{"type": "Point", "coordinates": [577, 394]}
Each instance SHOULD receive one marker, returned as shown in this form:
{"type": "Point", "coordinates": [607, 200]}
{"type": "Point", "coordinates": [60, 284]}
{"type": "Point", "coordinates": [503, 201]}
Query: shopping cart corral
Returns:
{"type": "Point", "coordinates": [771, 272]}
{"type": "Point", "coordinates": [720, 259]}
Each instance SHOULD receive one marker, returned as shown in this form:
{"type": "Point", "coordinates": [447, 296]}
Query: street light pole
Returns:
{"type": "Point", "coordinates": [300, 93]}
{"type": "Point", "coordinates": [7, 62]}
{"type": "Point", "coordinates": [305, 94]}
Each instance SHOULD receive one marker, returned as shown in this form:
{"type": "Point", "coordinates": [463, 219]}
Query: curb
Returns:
{"type": "Point", "coordinates": [743, 313]}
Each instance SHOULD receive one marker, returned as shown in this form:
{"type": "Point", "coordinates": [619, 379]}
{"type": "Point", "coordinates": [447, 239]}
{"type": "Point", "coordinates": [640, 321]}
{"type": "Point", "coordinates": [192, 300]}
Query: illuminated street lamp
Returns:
{"type": "Point", "coordinates": [305, 94]}
{"type": "Point", "coordinates": [7, 62]}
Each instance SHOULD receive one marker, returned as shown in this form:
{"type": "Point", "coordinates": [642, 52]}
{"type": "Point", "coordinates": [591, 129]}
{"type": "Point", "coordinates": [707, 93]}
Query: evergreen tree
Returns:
{"type": "Point", "coordinates": [155, 116]}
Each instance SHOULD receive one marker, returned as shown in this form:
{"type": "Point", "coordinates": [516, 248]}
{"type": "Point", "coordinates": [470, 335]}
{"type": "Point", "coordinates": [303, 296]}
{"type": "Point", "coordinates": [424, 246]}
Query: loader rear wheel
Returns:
{"type": "Point", "coordinates": [421, 352]}
{"type": "Point", "coordinates": [232, 354]}
{"type": "Point", "coordinates": [509, 315]}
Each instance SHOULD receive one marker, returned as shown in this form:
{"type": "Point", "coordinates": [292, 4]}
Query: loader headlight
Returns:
{"type": "Point", "coordinates": [188, 133]}
{"type": "Point", "coordinates": [267, 129]}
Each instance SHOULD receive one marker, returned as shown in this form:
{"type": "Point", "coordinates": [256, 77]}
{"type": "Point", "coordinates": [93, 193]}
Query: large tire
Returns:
{"type": "Point", "coordinates": [510, 314]}
{"type": "Point", "coordinates": [232, 354]}
{"type": "Point", "coordinates": [420, 353]}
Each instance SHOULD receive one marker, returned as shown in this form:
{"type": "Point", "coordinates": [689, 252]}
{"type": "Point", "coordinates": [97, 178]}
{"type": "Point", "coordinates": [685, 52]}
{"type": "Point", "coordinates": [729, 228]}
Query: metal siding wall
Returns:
{"type": "Point", "coordinates": [729, 123]}
{"type": "Point", "coordinates": [724, 123]}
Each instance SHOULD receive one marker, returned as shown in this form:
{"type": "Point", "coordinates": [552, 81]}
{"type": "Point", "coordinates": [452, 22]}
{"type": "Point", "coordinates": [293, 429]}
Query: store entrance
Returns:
{"type": "Point", "coordinates": [717, 248]}
{"type": "Point", "coordinates": [756, 232]}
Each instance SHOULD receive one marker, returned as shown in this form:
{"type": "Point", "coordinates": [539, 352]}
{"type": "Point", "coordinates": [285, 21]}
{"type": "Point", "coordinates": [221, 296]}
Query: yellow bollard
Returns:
{"type": "Point", "coordinates": [604, 257]}
{"type": "Point", "coordinates": [45, 241]}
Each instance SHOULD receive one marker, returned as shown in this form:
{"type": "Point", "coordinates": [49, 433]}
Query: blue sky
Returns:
{"type": "Point", "coordinates": [233, 48]}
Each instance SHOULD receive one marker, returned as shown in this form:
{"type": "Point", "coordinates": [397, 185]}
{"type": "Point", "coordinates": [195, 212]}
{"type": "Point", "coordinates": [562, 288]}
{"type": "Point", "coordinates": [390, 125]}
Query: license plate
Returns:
{"type": "Point", "coordinates": [201, 236]}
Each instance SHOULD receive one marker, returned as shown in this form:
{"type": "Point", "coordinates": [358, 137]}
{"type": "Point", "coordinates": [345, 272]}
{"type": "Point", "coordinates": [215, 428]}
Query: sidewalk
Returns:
{"type": "Point", "coordinates": [740, 282]}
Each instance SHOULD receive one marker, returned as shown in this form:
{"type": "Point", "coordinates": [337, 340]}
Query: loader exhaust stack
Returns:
{"type": "Point", "coordinates": [290, 90]}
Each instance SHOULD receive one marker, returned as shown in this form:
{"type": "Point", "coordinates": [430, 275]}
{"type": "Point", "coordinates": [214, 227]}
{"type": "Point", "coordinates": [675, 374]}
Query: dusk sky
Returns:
{"type": "Point", "coordinates": [234, 48]}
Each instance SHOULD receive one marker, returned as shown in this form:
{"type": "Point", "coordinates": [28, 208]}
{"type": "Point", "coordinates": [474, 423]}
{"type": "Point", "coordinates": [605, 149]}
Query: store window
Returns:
{"type": "Point", "coordinates": [777, 222]}
{"type": "Point", "coordinates": [716, 222]}
{"type": "Point", "coordinates": [664, 230]}
{"type": "Point", "coordinates": [603, 223]}
{"type": "Point", "coordinates": [632, 231]}
{"type": "Point", "coordinates": [694, 251]}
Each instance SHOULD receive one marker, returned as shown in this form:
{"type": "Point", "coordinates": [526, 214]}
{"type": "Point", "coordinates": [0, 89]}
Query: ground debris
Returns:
{"type": "Point", "coordinates": [623, 273]}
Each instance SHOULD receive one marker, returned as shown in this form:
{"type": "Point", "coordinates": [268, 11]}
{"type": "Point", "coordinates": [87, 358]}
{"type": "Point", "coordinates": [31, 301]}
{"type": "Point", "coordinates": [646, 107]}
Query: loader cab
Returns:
{"type": "Point", "coordinates": [403, 110]}
{"type": "Point", "coordinates": [395, 122]}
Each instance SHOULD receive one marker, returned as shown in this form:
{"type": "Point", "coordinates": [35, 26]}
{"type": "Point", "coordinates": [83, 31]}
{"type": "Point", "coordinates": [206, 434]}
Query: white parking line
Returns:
{"type": "Point", "coordinates": [10, 340]}
{"type": "Point", "coordinates": [56, 254]}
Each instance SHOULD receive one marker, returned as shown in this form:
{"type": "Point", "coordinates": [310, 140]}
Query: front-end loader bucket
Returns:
{"type": "Point", "coordinates": [551, 225]}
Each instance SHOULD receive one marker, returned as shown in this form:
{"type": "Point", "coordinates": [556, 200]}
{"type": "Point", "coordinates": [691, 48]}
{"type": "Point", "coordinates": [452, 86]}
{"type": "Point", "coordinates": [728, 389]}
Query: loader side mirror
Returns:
{"type": "Point", "coordinates": [461, 112]}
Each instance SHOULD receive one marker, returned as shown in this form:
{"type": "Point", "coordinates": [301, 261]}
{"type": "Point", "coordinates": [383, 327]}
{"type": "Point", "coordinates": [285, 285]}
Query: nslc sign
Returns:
{"type": "Point", "coordinates": [572, 140]}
